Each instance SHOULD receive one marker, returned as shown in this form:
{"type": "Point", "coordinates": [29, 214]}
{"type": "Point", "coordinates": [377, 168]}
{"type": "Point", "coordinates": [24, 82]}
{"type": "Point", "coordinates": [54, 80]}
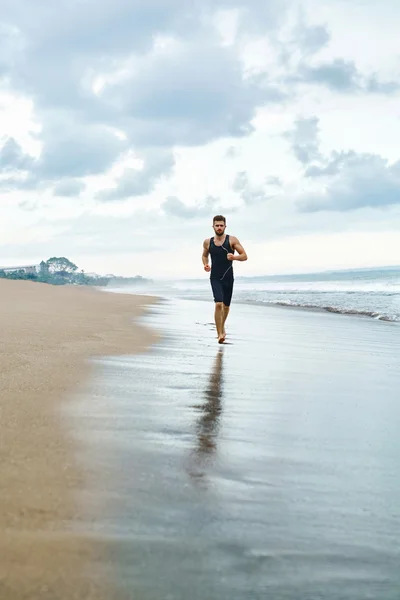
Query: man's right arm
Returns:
{"type": "Point", "coordinates": [206, 252]}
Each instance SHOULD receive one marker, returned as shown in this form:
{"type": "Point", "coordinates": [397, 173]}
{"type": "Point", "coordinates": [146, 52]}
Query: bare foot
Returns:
{"type": "Point", "coordinates": [221, 338]}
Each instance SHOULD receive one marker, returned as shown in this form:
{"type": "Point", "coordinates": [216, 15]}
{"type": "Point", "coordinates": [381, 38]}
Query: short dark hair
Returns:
{"type": "Point", "coordinates": [219, 218]}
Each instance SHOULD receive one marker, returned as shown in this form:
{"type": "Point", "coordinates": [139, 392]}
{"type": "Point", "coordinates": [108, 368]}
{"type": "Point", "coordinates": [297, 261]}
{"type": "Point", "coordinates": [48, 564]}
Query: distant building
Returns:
{"type": "Point", "coordinates": [24, 268]}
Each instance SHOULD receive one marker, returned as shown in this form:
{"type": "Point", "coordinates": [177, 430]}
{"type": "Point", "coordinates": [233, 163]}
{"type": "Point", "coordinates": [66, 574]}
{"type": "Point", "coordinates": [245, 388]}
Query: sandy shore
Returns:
{"type": "Point", "coordinates": [47, 336]}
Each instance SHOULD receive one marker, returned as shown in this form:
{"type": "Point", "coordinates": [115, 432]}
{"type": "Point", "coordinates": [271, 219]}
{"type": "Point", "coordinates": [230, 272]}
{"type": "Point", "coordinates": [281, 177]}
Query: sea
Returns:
{"type": "Point", "coordinates": [370, 293]}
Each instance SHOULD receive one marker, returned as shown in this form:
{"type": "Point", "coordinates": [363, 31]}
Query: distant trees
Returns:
{"type": "Point", "coordinates": [59, 270]}
{"type": "Point", "coordinates": [60, 265]}
{"type": "Point", "coordinates": [43, 268]}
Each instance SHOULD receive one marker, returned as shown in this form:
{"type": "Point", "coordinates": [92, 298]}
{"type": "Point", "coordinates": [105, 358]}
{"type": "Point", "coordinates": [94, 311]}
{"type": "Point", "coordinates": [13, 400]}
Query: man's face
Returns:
{"type": "Point", "coordinates": [219, 227]}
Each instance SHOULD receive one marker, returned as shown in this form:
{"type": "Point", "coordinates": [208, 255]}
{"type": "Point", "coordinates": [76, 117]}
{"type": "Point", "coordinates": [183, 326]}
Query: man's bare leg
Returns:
{"type": "Point", "coordinates": [218, 316]}
{"type": "Point", "coordinates": [225, 313]}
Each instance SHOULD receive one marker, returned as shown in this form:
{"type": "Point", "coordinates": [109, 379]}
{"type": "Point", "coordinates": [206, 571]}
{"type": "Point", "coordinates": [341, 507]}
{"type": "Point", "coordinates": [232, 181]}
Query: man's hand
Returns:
{"type": "Point", "coordinates": [230, 256]}
{"type": "Point", "coordinates": [207, 268]}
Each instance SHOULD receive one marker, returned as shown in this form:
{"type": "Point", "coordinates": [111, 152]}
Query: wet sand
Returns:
{"type": "Point", "coordinates": [47, 336]}
{"type": "Point", "coordinates": [265, 468]}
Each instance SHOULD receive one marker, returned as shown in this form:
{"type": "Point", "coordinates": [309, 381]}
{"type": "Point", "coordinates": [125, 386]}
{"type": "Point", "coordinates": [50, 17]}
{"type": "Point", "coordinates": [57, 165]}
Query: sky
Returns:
{"type": "Point", "coordinates": [126, 126]}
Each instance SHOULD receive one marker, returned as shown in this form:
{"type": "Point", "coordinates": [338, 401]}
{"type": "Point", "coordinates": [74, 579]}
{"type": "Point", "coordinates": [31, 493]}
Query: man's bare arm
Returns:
{"type": "Point", "coordinates": [205, 255]}
{"type": "Point", "coordinates": [236, 245]}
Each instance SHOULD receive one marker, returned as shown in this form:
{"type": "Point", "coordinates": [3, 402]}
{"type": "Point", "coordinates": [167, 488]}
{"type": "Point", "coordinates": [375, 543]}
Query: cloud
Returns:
{"type": "Point", "coordinates": [13, 158]}
{"type": "Point", "coordinates": [155, 71]}
{"type": "Point", "coordinates": [304, 139]}
{"type": "Point", "coordinates": [69, 151]}
{"type": "Point", "coordinates": [334, 163]}
{"type": "Point", "coordinates": [338, 75]}
{"type": "Point", "coordinates": [28, 205]}
{"type": "Point", "coordinates": [231, 152]}
{"type": "Point", "coordinates": [174, 207]}
{"type": "Point", "coordinates": [342, 76]}
{"type": "Point", "coordinates": [351, 180]}
{"type": "Point", "coordinates": [250, 194]}
{"type": "Point", "coordinates": [166, 101]}
{"type": "Point", "coordinates": [69, 187]}
{"type": "Point", "coordinates": [162, 76]}
{"type": "Point", "coordinates": [273, 181]}
{"type": "Point", "coordinates": [302, 42]}
{"type": "Point", "coordinates": [311, 38]}
{"type": "Point", "coordinates": [77, 150]}
{"type": "Point", "coordinates": [135, 182]}
{"type": "Point", "coordinates": [360, 180]}
{"type": "Point", "coordinates": [374, 86]}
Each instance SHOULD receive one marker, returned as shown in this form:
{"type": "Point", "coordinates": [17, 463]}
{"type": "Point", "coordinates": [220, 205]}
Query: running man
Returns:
{"type": "Point", "coordinates": [222, 249]}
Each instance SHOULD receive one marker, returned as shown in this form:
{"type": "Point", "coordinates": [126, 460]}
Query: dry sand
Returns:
{"type": "Point", "coordinates": [48, 333]}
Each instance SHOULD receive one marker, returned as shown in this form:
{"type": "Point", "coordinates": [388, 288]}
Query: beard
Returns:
{"type": "Point", "coordinates": [219, 233]}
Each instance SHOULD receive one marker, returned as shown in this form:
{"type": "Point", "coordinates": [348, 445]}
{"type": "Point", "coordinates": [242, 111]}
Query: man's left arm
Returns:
{"type": "Point", "coordinates": [236, 245]}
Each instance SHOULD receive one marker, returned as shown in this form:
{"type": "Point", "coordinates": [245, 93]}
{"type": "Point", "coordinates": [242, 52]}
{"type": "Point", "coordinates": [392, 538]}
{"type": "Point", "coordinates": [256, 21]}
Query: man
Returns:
{"type": "Point", "coordinates": [222, 249]}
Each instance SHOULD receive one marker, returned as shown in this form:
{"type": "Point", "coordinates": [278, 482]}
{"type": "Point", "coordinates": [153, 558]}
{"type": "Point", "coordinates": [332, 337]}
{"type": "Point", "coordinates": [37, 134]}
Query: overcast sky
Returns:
{"type": "Point", "coordinates": [126, 125]}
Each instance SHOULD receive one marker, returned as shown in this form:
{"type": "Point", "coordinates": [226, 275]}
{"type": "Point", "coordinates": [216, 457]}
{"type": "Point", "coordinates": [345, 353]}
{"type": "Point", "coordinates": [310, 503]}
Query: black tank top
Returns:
{"type": "Point", "coordinates": [221, 267]}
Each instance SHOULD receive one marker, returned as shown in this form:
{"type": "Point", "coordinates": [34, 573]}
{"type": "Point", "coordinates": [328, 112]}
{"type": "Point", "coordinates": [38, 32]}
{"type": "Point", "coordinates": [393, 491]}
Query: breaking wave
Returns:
{"type": "Point", "coordinates": [335, 309]}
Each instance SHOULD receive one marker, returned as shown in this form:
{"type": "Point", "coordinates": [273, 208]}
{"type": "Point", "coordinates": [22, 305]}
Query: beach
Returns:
{"type": "Point", "coordinates": [144, 460]}
{"type": "Point", "coordinates": [49, 333]}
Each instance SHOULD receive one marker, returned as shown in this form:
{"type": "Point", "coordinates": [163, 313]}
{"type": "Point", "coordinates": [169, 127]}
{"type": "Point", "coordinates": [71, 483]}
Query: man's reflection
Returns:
{"type": "Point", "coordinates": [208, 424]}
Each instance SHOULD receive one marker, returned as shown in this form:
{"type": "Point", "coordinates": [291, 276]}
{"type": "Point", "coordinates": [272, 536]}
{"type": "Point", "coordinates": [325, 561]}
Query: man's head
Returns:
{"type": "Point", "coordinates": [219, 225]}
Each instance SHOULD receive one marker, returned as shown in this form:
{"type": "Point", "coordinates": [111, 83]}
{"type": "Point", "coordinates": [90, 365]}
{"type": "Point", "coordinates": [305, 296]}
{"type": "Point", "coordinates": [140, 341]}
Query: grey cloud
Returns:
{"type": "Point", "coordinates": [304, 139]}
{"type": "Point", "coordinates": [312, 38]}
{"type": "Point", "coordinates": [70, 150]}
{"type": "Point", "coordinates": [174, 207]}
{"type": "Point", "coordinates": [359, 181]}
{"type": "Point", "coordinates": [135, 182]}
{"type": "Point", "coordinates": [28, 206]}
{"type": "Point", "coordinates": [352, 180]}
{"type": "Point", "coordinates": [339, 75]}
{"type": "Point", "coordinates": [334, 163]}
{"type": "Point", "coordinates": [249, 193]}
{"type": "Point", "coordinates": [10, 46]}
{"type": "Point", "coordinates": [194, 105]}
{"type": "Point", "coordinates": [191, 93]}
{"type": "Point", "coordinates": [13, 158]}
{"type": "Point", "coordinates": [189, 96]}
{"type": "Point", "coordinates": [273, 181]}
{"type": "Point", "coordinates": [343, 76]}
{"type": "Point", "coordinates": [304, 41]}
{"type": "Point", "coordinates": [69, 187]}
{"type": "Point", "coordinates": [23, 182]}
{"type": "Point", "coordinates": [231, 152]}
{"type": "Point", "coordinates": [256, 15]}
{"type": "Point", "coordinates": [241, 182]}
{"type": "Point", "coordinates": [373, 85]}
{"type": "Point", "coordinates": [75, 150]}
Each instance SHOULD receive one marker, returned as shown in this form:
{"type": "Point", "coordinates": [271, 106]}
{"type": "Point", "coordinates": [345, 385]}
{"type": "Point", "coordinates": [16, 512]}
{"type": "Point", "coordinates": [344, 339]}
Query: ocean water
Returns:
{"type": "Point", "coordinates": [368, 293]}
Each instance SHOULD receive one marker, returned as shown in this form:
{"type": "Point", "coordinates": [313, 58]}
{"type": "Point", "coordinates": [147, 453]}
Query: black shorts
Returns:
{"type": "Point", "coordinates": [222, 290]}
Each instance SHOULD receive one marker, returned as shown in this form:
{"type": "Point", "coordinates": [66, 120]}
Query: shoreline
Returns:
{"type": "Point", "coordinates": [374, 316]}
{"type": "Point", "coordinates": [50, 334]}
{"type": "Point", "coordinates": [325, 309]}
